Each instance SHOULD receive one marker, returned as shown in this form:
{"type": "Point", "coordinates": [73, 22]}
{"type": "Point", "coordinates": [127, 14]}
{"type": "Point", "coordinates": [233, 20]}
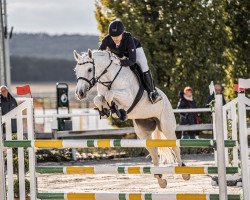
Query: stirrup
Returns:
{"type": "Point", "coordinates": [154, 97]}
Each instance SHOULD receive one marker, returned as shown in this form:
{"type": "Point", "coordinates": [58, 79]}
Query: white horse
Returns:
{"type": "Point", "coordinates": [119, 85]}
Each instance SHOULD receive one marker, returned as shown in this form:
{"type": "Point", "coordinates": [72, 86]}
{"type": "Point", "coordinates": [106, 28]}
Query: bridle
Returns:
{"type": "Point", "coordinates": [95, 79]}
{"type": "Point", "coordinates": [92, 81]}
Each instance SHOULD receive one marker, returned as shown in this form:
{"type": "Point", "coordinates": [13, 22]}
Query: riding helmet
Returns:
{"type": "Point", "coordinates": [116, 28]}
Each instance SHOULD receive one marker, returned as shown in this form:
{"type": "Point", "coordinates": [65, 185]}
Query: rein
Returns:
{"type": "Point", "coordinates": [108, 84]}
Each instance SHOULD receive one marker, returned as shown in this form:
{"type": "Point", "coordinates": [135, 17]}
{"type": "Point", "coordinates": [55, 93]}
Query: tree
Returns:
{"type": "Point", "coordinates": [186, 42]}
{"type": "Point", "coordinates": [237, 13]}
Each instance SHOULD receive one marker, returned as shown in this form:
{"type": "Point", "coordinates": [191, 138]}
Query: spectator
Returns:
{"type": "Point", "coordinates": [186, 101]}
{"type": "Point", "coordinates": [8, 102]}
{"type": "Point", "coordinates": [218, 90]}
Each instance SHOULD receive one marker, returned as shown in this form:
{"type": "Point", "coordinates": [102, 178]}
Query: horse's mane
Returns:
{"type": "Point", "coordinates": [100, 53]}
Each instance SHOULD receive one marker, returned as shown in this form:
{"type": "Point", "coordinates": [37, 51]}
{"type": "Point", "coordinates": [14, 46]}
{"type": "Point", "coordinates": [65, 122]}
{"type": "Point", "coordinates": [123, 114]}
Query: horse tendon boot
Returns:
{"type": "Point", "coordinates": [104, 113]}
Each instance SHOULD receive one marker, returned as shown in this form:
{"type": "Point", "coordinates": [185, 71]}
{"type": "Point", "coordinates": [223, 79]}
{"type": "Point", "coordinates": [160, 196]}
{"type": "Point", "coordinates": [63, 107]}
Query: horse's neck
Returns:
{"type": "Point", "coordinates": [126, 84]}
{"type": "Point", "coordinates": [111, 72]}
{"type": "Point", "coordinates": [123, 76]}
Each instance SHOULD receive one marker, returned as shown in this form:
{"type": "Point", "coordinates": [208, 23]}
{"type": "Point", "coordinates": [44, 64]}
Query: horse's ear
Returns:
{"type": "Point", "coordinates": [90, 53]}
{"type": "Point", "coordinates": [76, 55]}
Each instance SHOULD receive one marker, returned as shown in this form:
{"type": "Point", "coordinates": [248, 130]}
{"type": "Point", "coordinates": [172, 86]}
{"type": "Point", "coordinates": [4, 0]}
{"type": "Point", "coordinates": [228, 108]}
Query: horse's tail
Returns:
{"type": "Point", "coordinates": [166, 154]}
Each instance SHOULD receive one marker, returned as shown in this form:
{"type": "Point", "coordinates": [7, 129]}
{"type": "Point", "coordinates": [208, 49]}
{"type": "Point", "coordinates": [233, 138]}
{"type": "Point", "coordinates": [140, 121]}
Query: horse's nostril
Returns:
{"type": "Point", "coordinates": [81, 93]}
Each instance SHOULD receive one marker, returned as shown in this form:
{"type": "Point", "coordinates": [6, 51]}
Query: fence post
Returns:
{"type": "Point", "coordinates": [220, 148]}
{"type": "Point", "coordinates": [10, 173]}
{"type": "Point", "coordinates": [214, 137]}
{"type": "Point", "coordinates": [2, 173]}
{"type": "Point", "coordinates": [244, 146]}
{"type": "Point", "coordinates": [234, 136]}
{"type": "Point", "coordinates": [54, 127]}
{"type": "Point", "coordinates": [32, 157]}
{"type": "Point", "coordinates": [225, 132]}
{"type": "Point", "coordinates": [21, 157]}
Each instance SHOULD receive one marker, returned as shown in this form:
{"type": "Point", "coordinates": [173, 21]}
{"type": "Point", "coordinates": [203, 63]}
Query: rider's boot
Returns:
{"type": "Point", "coordinates": [150, 87]}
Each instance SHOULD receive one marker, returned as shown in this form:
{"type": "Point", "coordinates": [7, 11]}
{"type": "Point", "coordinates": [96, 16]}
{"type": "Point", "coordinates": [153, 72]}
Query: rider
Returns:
{"type": "Point", "coordinates": [123, 44]}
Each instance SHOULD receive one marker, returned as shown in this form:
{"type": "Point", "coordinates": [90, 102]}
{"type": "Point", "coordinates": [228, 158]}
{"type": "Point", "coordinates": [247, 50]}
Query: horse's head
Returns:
{"type": "Point", "coordinates": [85, 73]}
{"type": "Point", "coordinates": [90, 67]}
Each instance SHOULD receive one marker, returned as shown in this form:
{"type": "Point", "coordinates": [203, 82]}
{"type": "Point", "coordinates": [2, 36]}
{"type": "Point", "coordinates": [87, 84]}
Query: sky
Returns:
{"type": "Point", "coordinates": [52, 16]}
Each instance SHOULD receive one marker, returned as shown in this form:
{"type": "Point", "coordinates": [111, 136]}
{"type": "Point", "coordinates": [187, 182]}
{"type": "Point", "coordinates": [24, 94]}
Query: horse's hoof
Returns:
{"type": "Point", "coordinates": [186, 177]}
{"type": "Point", "coordinates": [163, 183]}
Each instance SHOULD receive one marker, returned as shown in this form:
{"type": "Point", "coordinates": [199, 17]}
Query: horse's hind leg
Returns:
{"type": "Point", "coordinates": [144, 131]}
{"type": "Point", "coordinates": [172, 136]}
{"type": "Point", "coordinates": [167, 125]}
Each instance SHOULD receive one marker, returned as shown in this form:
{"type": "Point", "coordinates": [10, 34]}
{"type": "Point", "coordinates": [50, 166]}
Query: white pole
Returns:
{"type": "Point", "coordinates": [214, 137]}
{"type": "Point", "coordinates": [21, 167]}
{"type": "Point", "coordinates": [2, 53]}
{"type": "Point", "coordinates": [2, 174]}
{"type": "Point", "coordinates": [234, 135]}
{"type": "Point", "coordinates": [32, 158]}
{"type": "Point", "coordinates": [225, 132]}
{"type": "Point", "coordinates": [7, 48]}
{"type": "Point", "coordinates": [244, 146]}
{"type": "Point", "coordinates": [10, 191]}
{"type": "Point", "coordinates": [220, 148]}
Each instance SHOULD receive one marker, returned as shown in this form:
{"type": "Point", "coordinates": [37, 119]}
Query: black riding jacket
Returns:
{"type": "Point", "coordinates": [186, 118]}
{"type": "Point", "coordinates": [127, 48]}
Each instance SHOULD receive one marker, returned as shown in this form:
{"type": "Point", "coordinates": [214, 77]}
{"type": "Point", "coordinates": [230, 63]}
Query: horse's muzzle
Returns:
{"type": "Point", "coordinates": [81, 94]}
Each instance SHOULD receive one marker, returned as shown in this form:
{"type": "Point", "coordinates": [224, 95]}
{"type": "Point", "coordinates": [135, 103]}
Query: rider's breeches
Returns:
{"type": "Point", "coordinates": [141, 59]}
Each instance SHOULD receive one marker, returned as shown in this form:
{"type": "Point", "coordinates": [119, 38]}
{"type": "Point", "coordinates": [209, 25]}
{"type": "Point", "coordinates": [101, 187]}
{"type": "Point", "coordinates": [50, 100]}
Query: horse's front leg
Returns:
{"type": "Point", "coordinates": [102, 106]}
{"type": "Point", "coordinates": [122, 96]}
{"type": "Point", "coordinates": [109, 97]}
{"type": "Point", "coordinates": [118, 100]}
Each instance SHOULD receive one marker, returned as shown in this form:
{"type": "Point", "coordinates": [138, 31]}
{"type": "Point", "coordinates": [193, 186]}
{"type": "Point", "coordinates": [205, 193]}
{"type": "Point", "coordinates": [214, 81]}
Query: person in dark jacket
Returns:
{"type": "Point", "coordinates": [186, 101]}
{"type": "Point", "coordinates": [8, 102]}
{"type": "Point", "coordinates": [130, 52]}
{"type": "Point", "coordinates": [218, 90]}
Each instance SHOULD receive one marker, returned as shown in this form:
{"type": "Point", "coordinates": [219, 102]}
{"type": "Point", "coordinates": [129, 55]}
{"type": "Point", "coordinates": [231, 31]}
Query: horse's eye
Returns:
{"type": "Point", "coordinates": [90, 70]}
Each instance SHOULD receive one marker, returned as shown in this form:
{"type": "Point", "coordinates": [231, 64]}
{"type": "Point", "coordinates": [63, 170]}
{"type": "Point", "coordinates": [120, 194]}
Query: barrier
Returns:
{"type": "Point", "coordinates": [115, 143]}
{"type": "Point", "coordinates": [133, 170]}
{"type": "Point", "coordinates": [131, 196]}
{"type": "Point", "coordinates": [31, 144]}
{"type": "Point", "coordinates": [18, 113]}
